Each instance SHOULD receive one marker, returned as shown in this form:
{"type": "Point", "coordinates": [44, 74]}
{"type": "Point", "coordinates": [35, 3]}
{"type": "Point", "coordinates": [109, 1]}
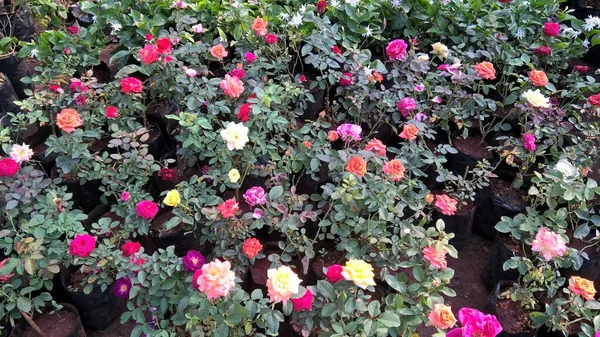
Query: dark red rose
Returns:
{"type": "Point", "coordinates": [167, 174]}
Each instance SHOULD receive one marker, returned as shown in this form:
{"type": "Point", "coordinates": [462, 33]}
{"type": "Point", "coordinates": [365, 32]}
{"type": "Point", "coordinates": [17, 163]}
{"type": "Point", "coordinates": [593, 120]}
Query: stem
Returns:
{"type": "Point", "coordinates": [32, 323]}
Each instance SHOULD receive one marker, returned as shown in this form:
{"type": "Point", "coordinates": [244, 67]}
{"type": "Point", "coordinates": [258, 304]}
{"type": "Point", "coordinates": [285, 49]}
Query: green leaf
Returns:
{"type": "Point", "coordinates": [594, 305]}
{"type": "Point", "coordinates": [275, 193]}
{"type": "Point", "coordinates": [389, 319]}
{"type": "Point", "coordinates": [418, 273]}
{"type": "Point", "coordinates": [24, 304]}
{"type": "Point", "coordinates": [326, 289]}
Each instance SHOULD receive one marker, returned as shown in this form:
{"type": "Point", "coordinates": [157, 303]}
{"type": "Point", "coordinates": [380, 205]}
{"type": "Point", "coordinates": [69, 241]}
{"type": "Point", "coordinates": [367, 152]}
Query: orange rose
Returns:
{"type": "Point", "coordinates": [68, 119]}
{"type": "Point", "coordinates": [357, 165]}
{"type": "Point", "coordinates": [409, 132]}
{"type": "Point", "coordinates": [259, 26]}
{"type": "Point", "coordinates": [429, 198]}
{"type": "Point", "coordinates": [538, 78]}
{"type": "Point", "coordinates": [583, 287]}
{"type": "Point", "coordinates": [441, 317]}
{"type": "Point", "coordinates": [394, 169]}
{"type": "Point", "coordinates": [218, 52]}
{"type": "Point", "coordinates": [486, 70]}
{"type": "Point", "coordinates": [307, 144]}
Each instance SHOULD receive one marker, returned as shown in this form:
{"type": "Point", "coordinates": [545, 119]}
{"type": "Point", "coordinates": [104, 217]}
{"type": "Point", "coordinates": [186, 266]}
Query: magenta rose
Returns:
{"type": "Point", "coordinates": [303, 303]}
{"type": "Point", "coordinates": [82, 245]}
{"type": "Point", "coordinates": [146, 209]}
{"type": "Point", "coordinates": [396, 50]}
{"type": "Point", "coordinates": [551, 29]}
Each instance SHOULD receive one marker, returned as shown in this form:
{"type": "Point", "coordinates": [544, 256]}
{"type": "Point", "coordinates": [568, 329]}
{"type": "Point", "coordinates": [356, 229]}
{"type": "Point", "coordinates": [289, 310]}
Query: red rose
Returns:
{"type": "Point", "coordinates": [195, 278]}
{"type": "Point", "coordinates": [148, 37]}
{"type": "Point", "coordinates": [149, 54]}
{"type": "Point", "coordinates": [594, 100]}
{"type": "Point", "coordinates": [581, 69]}
{"type": "Point", "coordinates": [163, 45]}
{"type": "Point", "coordinates": [55, 88]}
{"type": "Point", "coordinates": [321, 6]}
{"type": "Point", "coordinates": [131, 84]}
{"type": "Point", "coordinates": [551, 29]}
{"type": "Point", "coordinates": [334, 273]}
{"type": "Point", "coordinates": [271, 38]}
{"type": "Point", "coordinates": [146, 209]}
{"type": "Point", "coordinates": [543, 51]}
{"type": "Point", "coordinates": [244, 114]}
{"type": "Point", "coordinates": [8, 167]}
{"type": "Point", "coordinates": [336, 50]}
{"type": "Point", "coordinates": [82, 245]}
{"type": "Point", "coordinates": [303, 303]}
{"type": "Point", "coordinates": [346, 79]}
{"type": "Point", "coordinates": [167, 174]}
{"type": "Point", "coordinates": [130, 248]}
{"type": "Point", "coordinates": [73, 30]}
{"type": "Point", "coordinates": [111, 112]}
{"type": "Point", "coordinates": [238, 72]}
{"type": "Point", "coordinates": [251, 247]}
{"type": "Point", "coordinates": [228, 208]}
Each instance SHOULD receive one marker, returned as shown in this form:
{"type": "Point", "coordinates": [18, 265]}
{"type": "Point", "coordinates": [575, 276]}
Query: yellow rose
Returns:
{"type": "Point", "coordinates": [234, 175]}
{"type": "Point", "coordinates": [536, 99]}
{"type": "Point", "coordinates": [359, 272]}
{"type": "Point", "coordinates": [172, 199]}
{"type": "Point", "coordinates": [440, 50]}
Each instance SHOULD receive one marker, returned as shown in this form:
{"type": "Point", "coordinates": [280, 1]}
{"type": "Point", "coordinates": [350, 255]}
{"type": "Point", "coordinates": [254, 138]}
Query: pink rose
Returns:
{"type": "Point", "coordinates": [232, 86]}
{"type": "Point", "coordinates": [549, 244]}
{"type": "Point", "coordinates": [377, 147]}
{"type": "Point", "coordinates": [346, 79]}
{"type": "Point", "coordinates": [216, 279]}
{"type": "Point", "coordinates": [529, 142]}
{"type": "Point", "coordinates": [445, 204]}
{"type": "Point", "coordinates": [228, 208]}
{"type": "Point", "coordinates": [255, 196]}
{"type": "Point", "coordinates": [396, 50]}
{"type": "Point", "coordinates": [250, 57]}
{"type": "Point", "coordinates": [551, 29]}
{"type": "Point", "coordinates": [406, 105]}
{"type": "Point", "coordinates": [131, 84]}
{"type": "Point", "coordinates": [146, 209]}
{"type": "Point", "coordinates": [111, 112]}
{"type": "Point", "coordinates": [270, 39]}
{"type": "Point", "coordinates": [436, 258]}
{"type": "Point", "coordinates": [334, 273]}
{"type": "Point", "coordinates": [82, 245]}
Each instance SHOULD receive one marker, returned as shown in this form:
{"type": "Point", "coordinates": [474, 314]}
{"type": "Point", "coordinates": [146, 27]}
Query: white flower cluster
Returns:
{"type": "Point", "coordinates": [591, 23]}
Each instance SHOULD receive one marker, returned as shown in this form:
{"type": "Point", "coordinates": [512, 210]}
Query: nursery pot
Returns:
{"type": "Point", "coordinates": [15, 69]}
{"type": "Point", "coordinates": [494, 202]}
{"type": "Point", "coordinates": [98, 309]}
{"type": "Point", "coordinates": [65, 322]}
{"type": "Point", "coordinates": [7, 98]}
{"type": "Point", "coordinates": [18, 24]}
{"type": "Point", "coordinates": [512, 316]}
{"type": "Point", "coordinates": [471, 150]}
{"type": "Point", "coordinates": [493, 272]}
{"type": "Point", "coordinates": [178, 237]}
{"type": "Point", "coordinates": [461, 224]}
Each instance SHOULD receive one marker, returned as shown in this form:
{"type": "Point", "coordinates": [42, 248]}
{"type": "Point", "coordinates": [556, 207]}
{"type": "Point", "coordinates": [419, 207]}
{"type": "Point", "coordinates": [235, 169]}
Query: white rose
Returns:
{"type": "Point", "coordinates": [236, 135]}
{"type": "Point", "coordinates": [568, 171]}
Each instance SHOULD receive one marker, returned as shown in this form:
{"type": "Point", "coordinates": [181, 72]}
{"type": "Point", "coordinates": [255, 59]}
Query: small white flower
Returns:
{"type": "Point", "coordinates": [284, 16]}
{"type": "Point", "coordinates": [303, 9]}
{"type": "Point", "coordinates": [591, 22]}
{"type": "Point", "coordinates": [368, 32]}
{"type": "Point", "coordinates": [586, 43]}
{"type": "Point", "coordinates": [570, 32]}
{"type": "Point", "coordinates": [198, 29]}
{"type": "Point", "coordinates": [352, 3]}
{"type": "Point", "coordinates": [445, 2]}
{"type": "Point", "coordinates": [236, 4]}
{"type": "Point", "coordinates": [368, 71]}
{"type": "Point", "coordinates": [191, 72]}
{"type": "Point", "coordinates": [396, 3]}
{"type": "Point", "coordinates": [116, 27]}
{"type": "Point", "coordinates": [335, 3]}
{"type": "Point", "coordinates": [520, 33]}
{"type": "Point", "coordinates": [406, 231]}
{"type": "Point", "coordinates": [296, 20]}
{"type": "Point", "coordinates": [33, 53]}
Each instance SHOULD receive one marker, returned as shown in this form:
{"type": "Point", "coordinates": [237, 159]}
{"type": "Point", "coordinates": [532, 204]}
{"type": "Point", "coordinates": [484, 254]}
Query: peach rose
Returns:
{"type": "Point", "coordinates": [218, 52]}
{"type": "Point", "coordinates": [584, 287]}
{"type": "Point", "coordinates": [68, 119]}
{"type": "Point", "coordinates": [538, 78]}
{"type": "Point", "coordinates": [259, 26]}
{"type": "Point", "coordinates": [486, 70]}
{"type": "Point", "coordinates": [357, 165]}
{"type": "Point", "coordinates": [409, 132]}
{"type": "Point", "coordinates": [232, 86]}
{"type": "Point", "coordinates": [429, 198]}
{"type": "Point", "coordinates": [442, 317]}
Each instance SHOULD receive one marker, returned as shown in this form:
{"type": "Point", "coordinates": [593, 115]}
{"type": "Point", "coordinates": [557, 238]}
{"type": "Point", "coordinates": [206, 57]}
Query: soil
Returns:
{"type": "Point", "coordinates": [324, 261]}
{"type": "Point", "coordinates": [463, 209]}
{"type": "Point", "coordinates": [258, 271]}
{"type": "Point", "coordinates": [60, 324]}
{"type": "Point", "coordinates": [591, 3]}
{"type": "Point", "coordinates": [510, 242]}
{"type": "Point", "coordinates": [473, 146]}
{"type": "Point", "coordinates": [467, 283]}
{"type": "Point", "coordinates": [513, 316]}
{"type": "Point", "coordinates": [503, 190]}
{"type": "Point", "coordinates": [76, 281]}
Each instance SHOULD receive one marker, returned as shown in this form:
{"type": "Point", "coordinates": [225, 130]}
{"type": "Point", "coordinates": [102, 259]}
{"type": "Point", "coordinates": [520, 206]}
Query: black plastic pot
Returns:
{"type": "Point", "coordinates": [85, 196]}
{"type": "Point", "coordinates": [158, 115]}
{"type": "Point", "coordinates": [460, 225]}
{"type": "Point", "coordinates": [17, 24]}
{"type": "Point", "coordinates": [490, 308]}
{"type": "Point", "coordinates": [98, 309]}
{"type": "Point", "coordinates": [183, 242]}
{"type": "Point", "coordinates": [7, 99]}
{"type": "Point", "coordinates": [493, 203]}
{"type": "Point", "coordinates": [493, 272]}
{"type": "Point", "coordinates": [77, 331]}
{"type": "Point", "coordinates": [16, 68]}
{"type": "Point", "coordinates": [590, 269]}
{"type": "Point", "coordinates": [459, 163]}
